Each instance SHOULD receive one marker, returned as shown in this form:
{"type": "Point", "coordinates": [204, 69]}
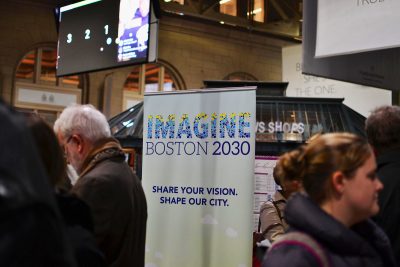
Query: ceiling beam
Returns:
{"type": "Point", "coordinates": [279, 9]}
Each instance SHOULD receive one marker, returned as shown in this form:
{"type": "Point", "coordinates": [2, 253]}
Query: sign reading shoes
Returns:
{"type": "Point", "coordinates": [279, 126]}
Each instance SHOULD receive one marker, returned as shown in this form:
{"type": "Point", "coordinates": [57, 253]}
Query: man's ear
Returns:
{"type": "Point", "coordinates": [338, 182]}
{"type": "Point", "coordinates": [79, 141]}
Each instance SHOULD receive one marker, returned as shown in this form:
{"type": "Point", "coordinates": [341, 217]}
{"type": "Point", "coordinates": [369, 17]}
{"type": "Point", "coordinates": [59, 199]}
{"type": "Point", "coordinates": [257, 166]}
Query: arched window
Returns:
{"type": "Point", "coordinates": [240, 76]}
{"type": "Point", "coordinates": [151, 77]}
{"type": "Point", "coordinates": [38, 89]}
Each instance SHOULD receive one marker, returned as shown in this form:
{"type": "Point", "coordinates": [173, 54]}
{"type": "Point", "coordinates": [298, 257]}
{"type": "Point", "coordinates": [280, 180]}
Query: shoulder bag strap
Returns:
{"type": "Point", "coordinates": [305, 240]}
{"type": "Point", "coordinates": [278, 210]}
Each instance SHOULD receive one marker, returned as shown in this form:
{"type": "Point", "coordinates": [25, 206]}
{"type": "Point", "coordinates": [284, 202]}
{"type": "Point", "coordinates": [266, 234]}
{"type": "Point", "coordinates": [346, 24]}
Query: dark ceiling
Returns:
{"type": "Point", "coordinates": [283, 18]}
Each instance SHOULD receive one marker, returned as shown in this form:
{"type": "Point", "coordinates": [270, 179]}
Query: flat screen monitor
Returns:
{"type": "Point", "coordinates": [103, 34]}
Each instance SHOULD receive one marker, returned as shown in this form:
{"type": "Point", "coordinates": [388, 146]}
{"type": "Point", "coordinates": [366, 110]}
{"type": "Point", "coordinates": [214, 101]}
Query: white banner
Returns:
{"type": "Point", "coordinates": [361, 98]}
{"type": "Point", "coordinates": [198, 170]}
{"type": "Point", "coordinates": [352, 26]}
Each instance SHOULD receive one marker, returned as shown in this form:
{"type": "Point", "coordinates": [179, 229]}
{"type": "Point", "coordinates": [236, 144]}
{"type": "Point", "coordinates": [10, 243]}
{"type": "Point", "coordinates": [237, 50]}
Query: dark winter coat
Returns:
{"type": "Point", "coordinates": [79, 228]}
{"type": "Point", "coordinates": [363, 245]}
{"type": "Point", "coordinates": [116, 198]}
{"type": "Point", "coordinates": [31, 230]}
{"type": "Point", "coordinates": [389, 198]}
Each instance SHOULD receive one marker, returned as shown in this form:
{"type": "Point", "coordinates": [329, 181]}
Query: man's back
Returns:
{"type": "Point", "coordinates": [383, 132]}
{"type": "Point", "coordinates": [389, 198]}
{"type": "Point", "coordinates": [118, 205]}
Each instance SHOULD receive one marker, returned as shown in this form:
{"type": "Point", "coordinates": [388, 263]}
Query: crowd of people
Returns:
{"type": "Point", "coordinates": [98, 220]}
{"type": "Point", "coordinates": [337, 204]}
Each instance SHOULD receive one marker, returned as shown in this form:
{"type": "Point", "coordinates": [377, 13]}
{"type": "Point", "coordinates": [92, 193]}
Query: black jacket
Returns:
{"type": "Point", "coordinates": [389, 198]}
{"type": "Point", "coordinates": [363, 245]}
{"type": "Point", "coordinates": [79, 228]}
{"type": "Point", "coordinates": [31, 230]}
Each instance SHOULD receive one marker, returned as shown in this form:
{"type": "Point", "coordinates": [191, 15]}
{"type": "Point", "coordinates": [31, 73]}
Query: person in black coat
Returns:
{"type": "Point", "coordinates": [383, 132]}
{"type": "Point", "coordinates": [31, 229]}
{"type": "Point", "coordinates": [332, 215]}
{"type": "Point", "coordinates": [76, 214]}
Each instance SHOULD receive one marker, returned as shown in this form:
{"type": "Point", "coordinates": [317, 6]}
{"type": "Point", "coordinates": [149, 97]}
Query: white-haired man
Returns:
{"type": "Point", "coordinates": [106, 183]}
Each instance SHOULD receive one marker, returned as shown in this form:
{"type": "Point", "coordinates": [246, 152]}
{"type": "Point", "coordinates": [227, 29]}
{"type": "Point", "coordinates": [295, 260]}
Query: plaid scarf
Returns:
{"type": "Point", "coordinates": [103, 149]}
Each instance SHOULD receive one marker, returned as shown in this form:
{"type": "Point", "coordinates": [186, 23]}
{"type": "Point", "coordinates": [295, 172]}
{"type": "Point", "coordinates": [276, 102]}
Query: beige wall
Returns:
{"type": "Point", "coordinates": [21, 28]}
{"type": "Point", "coordinates": [199, 51]}
{"type": "Point", "coordinates": [210, 52]}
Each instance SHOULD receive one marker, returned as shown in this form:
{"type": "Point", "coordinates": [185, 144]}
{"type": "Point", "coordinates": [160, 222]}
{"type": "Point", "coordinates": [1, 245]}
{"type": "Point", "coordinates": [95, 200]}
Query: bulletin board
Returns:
{"type": "Point", "coordinates": [264, 184]}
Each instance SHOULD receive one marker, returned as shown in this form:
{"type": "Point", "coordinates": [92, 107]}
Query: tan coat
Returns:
{"type": "Point", "coordinates": [272, 219]}
{"type": "Point", "coordinates": [116, 198]}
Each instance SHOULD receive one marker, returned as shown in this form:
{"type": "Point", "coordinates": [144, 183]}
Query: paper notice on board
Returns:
{"type": "Point", "coordinates": [264, 184]}
{"type": "Point", "coordinates": [354, 26]}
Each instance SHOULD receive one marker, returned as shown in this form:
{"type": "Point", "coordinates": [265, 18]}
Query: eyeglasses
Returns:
{"type": "Point", "coordinates": [64, 145]}
{"type": "Point", "coordinates": [69, 139]}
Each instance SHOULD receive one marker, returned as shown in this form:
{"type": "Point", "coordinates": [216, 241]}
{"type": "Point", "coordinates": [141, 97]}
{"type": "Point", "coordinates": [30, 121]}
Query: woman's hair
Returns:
{"type": "Point", "coordinates": [49, 149]}
{"type": "Point", "coordinates": [287, 167]}
{"type": "Point", "coordinates": [327, 154]}
{"type": "Point", "coordinates": [85, 120]}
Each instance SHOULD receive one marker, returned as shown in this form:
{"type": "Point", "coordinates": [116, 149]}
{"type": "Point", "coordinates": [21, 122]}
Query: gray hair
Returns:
{"type": "Point", "coordinates": [383, 128]}
{"type": "Point", "coordinates": [84, 120]}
